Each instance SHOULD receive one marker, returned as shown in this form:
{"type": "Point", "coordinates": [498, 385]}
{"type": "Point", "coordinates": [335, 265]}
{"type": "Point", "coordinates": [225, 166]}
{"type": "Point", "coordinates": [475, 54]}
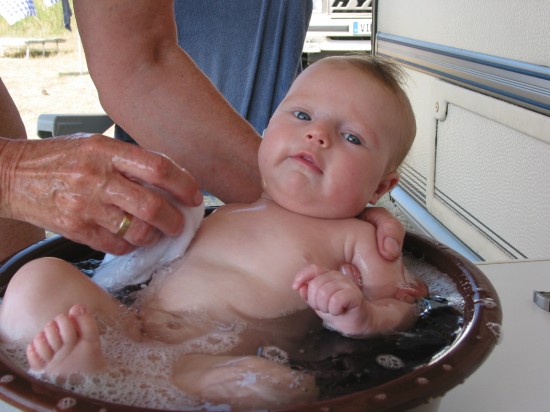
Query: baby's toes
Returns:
{"type": "Point", "coordinates": [66, 330]}
{"type": "Point", "coordinates": [51, 331]}
{"type": "Point", "coordinates": [85, 323]}
{"type": "Point", "coordinates": [39, 352]}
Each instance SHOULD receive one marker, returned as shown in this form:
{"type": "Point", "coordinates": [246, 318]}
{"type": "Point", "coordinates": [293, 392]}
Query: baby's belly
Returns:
{"type": "Point", "coordinates": [195, 304]}
{"type": "Point", "coordinates": [185, 327]}
{"type": "Point", "coordinates": [204, 334]}
{"type": "Point", "coordinates": [223, 293]}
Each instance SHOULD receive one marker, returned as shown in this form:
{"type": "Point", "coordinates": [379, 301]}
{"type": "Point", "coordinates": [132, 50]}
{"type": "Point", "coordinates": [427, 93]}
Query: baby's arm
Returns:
{"type": "Point", "coordinates": [339, 302]}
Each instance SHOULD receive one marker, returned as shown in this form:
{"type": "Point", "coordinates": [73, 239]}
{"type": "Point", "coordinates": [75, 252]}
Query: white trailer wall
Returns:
{"type": "Point", "coordinates": [480, 87]}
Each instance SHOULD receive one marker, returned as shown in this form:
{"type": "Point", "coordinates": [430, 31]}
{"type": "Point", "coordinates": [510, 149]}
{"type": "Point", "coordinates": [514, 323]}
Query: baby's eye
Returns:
{"type": "Point", "coordinates": [352, 138]}
{"type": "Point", "coordinates": [302, 115]}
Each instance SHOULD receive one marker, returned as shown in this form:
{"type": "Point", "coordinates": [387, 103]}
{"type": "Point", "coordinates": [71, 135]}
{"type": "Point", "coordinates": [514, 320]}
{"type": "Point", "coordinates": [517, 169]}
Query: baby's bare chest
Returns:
{"type": "Point", "coordinates": [257, 286]}
{"type": "Point", "coordinates": [246, 268]}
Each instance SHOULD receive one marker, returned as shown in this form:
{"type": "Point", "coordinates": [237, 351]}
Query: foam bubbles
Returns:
{"type": "Point", "coordinates": [274, 354]}
{"type": "Point", "coordinates": [438, 282]}
{"type": "Point", "coordinates": [138, 373]}
{"type": "Point", "coordinates": [7, 378]}
{"type": "Point", "coordinates": [389, 361]}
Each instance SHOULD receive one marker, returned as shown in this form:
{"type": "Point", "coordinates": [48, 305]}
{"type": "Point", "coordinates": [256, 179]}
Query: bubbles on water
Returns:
{"type": "Point", "coordinates": [438, 283]}
{"type": "Point", "coordinates": [138, 373]}
{"type": "Point", "coordinates": [274, 354]}
{"type": "Point", "coordinates": [16, 351]}
{"type": "Point", "coordinates": [389, 361]}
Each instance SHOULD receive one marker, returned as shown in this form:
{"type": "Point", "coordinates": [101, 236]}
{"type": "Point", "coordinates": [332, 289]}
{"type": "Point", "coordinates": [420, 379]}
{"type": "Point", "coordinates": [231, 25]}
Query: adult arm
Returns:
{"type": "Point", "coordinates": [14, 235]}
{"type": "Point", "coordinates": [155, 92]}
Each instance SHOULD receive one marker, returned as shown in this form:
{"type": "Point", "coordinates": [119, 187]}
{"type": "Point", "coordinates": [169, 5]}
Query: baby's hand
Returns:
{"type": "Point", "coordinates": [328, 292]}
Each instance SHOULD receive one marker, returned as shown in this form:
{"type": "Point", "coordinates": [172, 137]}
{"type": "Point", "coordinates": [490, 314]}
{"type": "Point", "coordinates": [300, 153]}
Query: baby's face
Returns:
{"type": "Point", "coordinates": [326, 150]}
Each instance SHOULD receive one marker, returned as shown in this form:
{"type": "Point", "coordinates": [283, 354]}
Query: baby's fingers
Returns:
{"type": "Point", "coordinates": [303, 291]}
{"type": "Point", "coordinates": [304, 276]}
{"type": "Point", "coordinates": [343, 300]}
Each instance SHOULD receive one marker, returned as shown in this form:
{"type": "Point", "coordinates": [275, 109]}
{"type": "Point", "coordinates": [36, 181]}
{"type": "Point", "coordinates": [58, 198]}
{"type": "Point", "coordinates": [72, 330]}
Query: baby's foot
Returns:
{"type": "Point", "coordinates": [68, 344]}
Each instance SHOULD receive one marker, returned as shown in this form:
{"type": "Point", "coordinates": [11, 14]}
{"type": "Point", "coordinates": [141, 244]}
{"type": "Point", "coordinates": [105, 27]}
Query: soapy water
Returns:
{"type": "Point", "coordinates": [344, 365]}
{"type": "Point", "coordinates": [139, 374]}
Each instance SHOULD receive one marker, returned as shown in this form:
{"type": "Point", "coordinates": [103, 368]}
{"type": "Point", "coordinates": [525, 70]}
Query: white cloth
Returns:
{"type": "Point", "coordinates": [116, 272]}
{"type": "Point", "coordinates": [15, 10]}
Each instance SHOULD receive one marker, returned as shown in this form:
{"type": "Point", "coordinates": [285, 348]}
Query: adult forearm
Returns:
{"type": "Point", "coordinates": [177, 111]}
{"type": "Point", "coordinates": [14, 235]}
{"type": "Point", "coordinates": [149, 86]}
{"type": "Point", "coordinates": [8, 159]}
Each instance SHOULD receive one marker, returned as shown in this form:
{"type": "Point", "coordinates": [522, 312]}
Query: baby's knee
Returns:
{"type": "Point", "coordinates": [41, 280]}
{"type": "Point", "coordinates": [40, 274]}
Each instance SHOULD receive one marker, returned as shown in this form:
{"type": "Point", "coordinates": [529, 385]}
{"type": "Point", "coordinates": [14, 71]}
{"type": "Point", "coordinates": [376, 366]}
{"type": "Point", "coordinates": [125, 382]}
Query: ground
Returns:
{"type": "Point", "coordinates": [50, 84]}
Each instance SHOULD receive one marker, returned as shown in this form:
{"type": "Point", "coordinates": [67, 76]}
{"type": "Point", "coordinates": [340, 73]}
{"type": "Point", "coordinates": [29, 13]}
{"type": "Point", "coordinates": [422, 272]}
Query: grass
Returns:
{"type": "Point", "coordinates": [47, 23]}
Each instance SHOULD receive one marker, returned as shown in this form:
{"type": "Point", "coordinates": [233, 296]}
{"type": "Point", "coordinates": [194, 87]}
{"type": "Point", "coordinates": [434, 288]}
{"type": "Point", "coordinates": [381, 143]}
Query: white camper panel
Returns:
{"type": "Point", "coordinates": [480, 88]}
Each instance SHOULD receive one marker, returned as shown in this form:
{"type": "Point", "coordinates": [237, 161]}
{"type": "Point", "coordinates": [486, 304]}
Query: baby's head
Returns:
{"type": "Point", "coordinates": [335, 142]}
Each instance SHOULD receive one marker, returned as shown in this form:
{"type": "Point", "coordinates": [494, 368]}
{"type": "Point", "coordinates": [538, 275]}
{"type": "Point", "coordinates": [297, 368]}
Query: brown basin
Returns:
{"type": "Point", "coordinates": [482, 320]}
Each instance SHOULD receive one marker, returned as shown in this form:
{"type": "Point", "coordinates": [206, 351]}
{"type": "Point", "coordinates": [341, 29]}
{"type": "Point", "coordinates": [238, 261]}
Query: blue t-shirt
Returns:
{"type": "Point", "coordinates": [250, 49]}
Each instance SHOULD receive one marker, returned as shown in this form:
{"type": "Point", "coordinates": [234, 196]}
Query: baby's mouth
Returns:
{"type": "Point", "coordinates": [309, 161]}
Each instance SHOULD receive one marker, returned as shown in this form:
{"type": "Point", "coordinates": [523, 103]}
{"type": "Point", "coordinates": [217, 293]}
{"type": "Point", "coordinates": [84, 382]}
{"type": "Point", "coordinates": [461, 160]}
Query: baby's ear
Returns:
{"type": "Point", "coordinates": [385, 185]}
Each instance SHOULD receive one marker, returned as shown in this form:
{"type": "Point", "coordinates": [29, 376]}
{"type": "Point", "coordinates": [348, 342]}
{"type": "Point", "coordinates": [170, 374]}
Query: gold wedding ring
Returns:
{"type": "Point", "coordinates": [124, 225]}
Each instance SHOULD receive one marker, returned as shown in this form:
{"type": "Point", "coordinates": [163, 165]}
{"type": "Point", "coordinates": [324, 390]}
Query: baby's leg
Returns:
{"type": "Point", "coordinates": [45, 288]}
{"type": "Point", "coordinates": [244, 382]}
{"type": "Point", "coordinates": [68, 344]}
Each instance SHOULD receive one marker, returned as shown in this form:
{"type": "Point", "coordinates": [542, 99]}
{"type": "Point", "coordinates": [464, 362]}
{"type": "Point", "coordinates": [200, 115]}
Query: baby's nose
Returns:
{"type": "Point", "coordinates": [319, 138]}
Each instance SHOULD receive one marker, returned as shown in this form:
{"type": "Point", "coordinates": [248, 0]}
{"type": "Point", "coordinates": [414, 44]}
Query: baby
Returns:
{"type": "Point", "coordinates": [295, 255]}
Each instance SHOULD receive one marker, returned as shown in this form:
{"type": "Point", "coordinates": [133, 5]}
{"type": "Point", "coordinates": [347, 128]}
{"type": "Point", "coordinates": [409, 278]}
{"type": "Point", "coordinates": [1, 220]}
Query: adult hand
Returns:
{"type": "Point", "coordinates": [390, 233]}
{"type": "Point", "coordinates": [84, 187]}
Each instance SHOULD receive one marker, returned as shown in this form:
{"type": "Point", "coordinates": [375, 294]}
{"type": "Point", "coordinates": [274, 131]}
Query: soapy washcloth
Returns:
{"type": "Point", "coordinates": [137, 267]}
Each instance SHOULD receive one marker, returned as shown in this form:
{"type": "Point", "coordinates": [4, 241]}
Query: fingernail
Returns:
{"type": "Point", "coordinates": [199, 198]}
{"type": "Point", "coordinates": [391, 245]}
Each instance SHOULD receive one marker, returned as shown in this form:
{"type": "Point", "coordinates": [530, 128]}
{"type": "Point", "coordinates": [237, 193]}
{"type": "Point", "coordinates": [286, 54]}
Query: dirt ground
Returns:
{"type": "Point", "coordinates": [50, 84]}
